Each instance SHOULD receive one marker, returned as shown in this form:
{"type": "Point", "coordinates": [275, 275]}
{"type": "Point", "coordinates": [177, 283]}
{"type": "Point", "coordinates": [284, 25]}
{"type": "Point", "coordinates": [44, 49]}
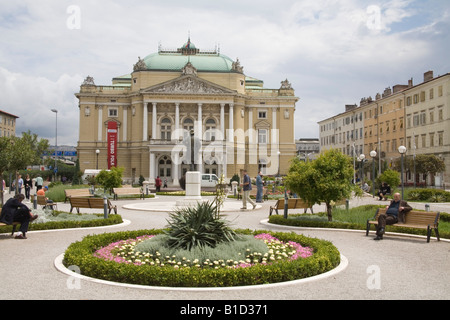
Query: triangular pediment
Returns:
{"type": "Point", "coordinates": [188, 84]}
{"type": "Point", "coordinates": [262, 124]}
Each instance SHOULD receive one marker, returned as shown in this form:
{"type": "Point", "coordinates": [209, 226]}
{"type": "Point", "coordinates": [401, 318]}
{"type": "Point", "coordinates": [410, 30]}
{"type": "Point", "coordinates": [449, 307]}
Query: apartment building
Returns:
{"type": "Point", "coordinates": [7, 124]}
{"type": "Point", "coordinates": [414, 116]}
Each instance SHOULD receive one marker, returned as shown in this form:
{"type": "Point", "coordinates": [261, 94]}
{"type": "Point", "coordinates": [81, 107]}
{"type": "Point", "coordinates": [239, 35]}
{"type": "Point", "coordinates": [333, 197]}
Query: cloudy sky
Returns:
{"type": "Point", "coordinates": [333, 52]}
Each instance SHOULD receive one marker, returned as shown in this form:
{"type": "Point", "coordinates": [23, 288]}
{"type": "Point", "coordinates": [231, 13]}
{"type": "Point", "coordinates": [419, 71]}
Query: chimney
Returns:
{"type": "Point", "coordinates": [410, 83]}
{"type": "Point", "coordinates": [427, 76]}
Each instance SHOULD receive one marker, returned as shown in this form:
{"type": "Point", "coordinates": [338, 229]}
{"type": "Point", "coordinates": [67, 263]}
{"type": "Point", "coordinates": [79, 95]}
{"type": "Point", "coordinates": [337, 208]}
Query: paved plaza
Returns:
{"type": "Point", "coordinates": [399, 267]}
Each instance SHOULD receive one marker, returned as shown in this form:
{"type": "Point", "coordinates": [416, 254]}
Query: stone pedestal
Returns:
{"type": "Point", "coordinates": [193, 189]}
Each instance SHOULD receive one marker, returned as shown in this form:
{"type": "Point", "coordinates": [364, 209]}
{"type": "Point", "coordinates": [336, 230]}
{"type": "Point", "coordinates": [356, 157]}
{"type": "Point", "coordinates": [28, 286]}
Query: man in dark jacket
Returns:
{"type": "Point", "coordinates": [395, 212]}
{"type": "Point", "coordinates": [15, 211]}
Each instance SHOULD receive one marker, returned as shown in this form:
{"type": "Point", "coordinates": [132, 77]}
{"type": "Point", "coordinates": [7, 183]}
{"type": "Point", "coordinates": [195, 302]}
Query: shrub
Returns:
{"type": "Point", "coordinates": [198, 226]}
{"type": "Point", "coordinates": [325, 257]}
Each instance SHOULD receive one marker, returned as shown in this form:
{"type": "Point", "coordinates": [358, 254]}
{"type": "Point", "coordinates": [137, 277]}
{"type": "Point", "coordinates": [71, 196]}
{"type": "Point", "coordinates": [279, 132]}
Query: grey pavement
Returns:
{"type": "Point", "coordinates": [398, 267]}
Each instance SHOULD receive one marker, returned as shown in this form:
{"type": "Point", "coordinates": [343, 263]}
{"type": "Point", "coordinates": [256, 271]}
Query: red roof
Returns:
{"type": "Point", "coordinates": [9, 114]}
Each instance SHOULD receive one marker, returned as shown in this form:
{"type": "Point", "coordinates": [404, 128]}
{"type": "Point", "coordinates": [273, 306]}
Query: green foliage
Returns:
{"type": "Point", "coordinates": [236, 178]}
{"type": "Point", "coordinates": [110, 179]}
{"type": "Point", "coordinates": [326, 179]}
{"type": "Point", "coordinates": [71, 223]}
{"type": "Point", "coordinates": [391, 177]}
{"type": "Point", "coordinates": [198, 226]}
{"type": "Point", "coordinates": [325, 258]}
{"type": "Point", "coordinates": [431, 195]}
{"type": "Point", "coordinates": [225, 251]}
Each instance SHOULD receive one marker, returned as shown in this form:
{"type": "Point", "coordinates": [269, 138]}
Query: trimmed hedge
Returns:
{"type": "Point", "coordinates": [291, 221]}
{"type": "Point", "coordinates": [50, 225]}
{"type": "Point", "coordinates": [325, 258]}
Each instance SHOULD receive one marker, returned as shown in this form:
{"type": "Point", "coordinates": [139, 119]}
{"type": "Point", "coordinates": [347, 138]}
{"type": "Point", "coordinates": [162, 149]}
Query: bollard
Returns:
{"type": "Point", "coordinates": [347, 204]}
{"type": "Point", "coordinates": [35, 201]}
{"type": "Point", "coordinates": [427, 207]}
{"type": "Point", "coordinates": [105, 207]}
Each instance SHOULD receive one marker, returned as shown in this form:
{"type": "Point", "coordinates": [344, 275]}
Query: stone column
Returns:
{"type": "Point", "coordinates": [145, 123]}
{"type": "Point", "coordinates": [152, 168]}
{"type": "Point", "coordinates": [231, 123]}
{"type": "Point", "coordinates": [154, 120]}
{"type": "Point", "coordinates": [177, 117]}
{"type": "Point", "coordinates": [100, 123]}
{"type": "Point", "coordinates": [200, 137]}
{"type": "Point", "coordinates": [125, 123]}
{"type": "Point", "coordinates": [222, 120]}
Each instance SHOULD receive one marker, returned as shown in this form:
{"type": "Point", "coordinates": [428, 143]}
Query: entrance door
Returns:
{"type": "Point", "coordinates": [165, 167]}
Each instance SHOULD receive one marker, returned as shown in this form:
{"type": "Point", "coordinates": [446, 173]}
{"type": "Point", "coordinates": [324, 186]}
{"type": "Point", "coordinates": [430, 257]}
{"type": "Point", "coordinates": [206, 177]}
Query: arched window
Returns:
{"type": "Point", "coordinates": [166, 129]}
{"type": "Point", "coordinates": [188, 124]}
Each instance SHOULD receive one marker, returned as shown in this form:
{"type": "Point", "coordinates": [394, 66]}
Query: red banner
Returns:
{"type": "Point", "coordinates": [112, 144]}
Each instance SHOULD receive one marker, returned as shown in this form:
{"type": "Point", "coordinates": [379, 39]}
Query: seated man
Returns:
{"type": "Point", "coordinates": [15, 211]}
{"type": "Point", "coordinates": [395, 212]}
{"type": "Point", "coordinates": [41, 192]}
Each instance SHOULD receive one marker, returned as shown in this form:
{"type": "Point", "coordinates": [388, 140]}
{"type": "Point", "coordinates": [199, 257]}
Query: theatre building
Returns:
{"type": "Point", "coordinates": [186, 109]}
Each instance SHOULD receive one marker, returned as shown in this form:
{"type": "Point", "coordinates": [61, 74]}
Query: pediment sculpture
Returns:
{"type": "Point", "coordinates": [187, 84]}
{"type": "Point", "coordinates": [189, 69]}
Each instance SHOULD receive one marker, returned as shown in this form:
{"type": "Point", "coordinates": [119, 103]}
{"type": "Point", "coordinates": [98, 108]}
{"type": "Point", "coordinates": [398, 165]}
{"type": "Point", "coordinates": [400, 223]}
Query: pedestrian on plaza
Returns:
{"type": "Point", "coordinates": [395, 212]}
{"type": "Point", "coordinates": [15, 211]}
{"type": "Point", "coordinates": [39, 183]}
{"type": "Point", "coordinates": [384, 191]}
{"type": "Point", "coordinates": [28, 183]}
{"type": "Point", "coordinates": [259, 187]}
{"type": "Point", "coordinates": [246, 187]}
{"type": "Point", "coordinates": [158, 183]}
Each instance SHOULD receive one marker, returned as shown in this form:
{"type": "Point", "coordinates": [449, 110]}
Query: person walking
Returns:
{"type": "Point", "coordinates": [28, 183]}
{"type": "Point", "coordinates": [247, 187]}
{"type": "Point", "coordinates": [259, 187]}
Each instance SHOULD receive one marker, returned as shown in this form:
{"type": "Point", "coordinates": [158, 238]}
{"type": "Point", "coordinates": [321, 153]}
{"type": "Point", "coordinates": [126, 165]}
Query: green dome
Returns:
{"type": "Point", "coordinates": [176, 61]}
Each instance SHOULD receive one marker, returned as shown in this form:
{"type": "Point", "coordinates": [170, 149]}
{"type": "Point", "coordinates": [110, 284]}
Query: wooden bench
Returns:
{"type": "Point", "coordinates": [293, 203]}
{"type": "Point", "coordinates": [128, 191]}
{"type": "Point", "coordinates": [428, 220]}
{"type": "Point", "coordinates": [43, 203]}
{"type": "Point", "coordinates": [14, 224]}
{"type": "Point", "coordinates": [90, 203]}
{"type": "Point", "coordinates": [85, 192]}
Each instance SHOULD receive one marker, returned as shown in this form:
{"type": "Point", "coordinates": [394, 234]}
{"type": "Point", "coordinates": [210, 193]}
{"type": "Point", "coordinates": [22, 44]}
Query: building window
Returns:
{"type": "Point", "coordinates": [166, 129]}
{"type": "Point", "coordinates": [262, 136]}
{"type": "Point", "coordinates": [210, 133]}
{"type": "Point", "coordinates": [441, 138]}
{"type": "Point", "coordinates": [262, 114]}
{"type": "Point", "coordinates": [188, 124]}
{"type": "Point", "coordinates": [113, 112]}
{"type": "Point", "coordinates": [432, 139]}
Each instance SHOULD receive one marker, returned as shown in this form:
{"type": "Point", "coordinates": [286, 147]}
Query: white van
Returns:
{"type": "Point", "coordinates": [209, 180]}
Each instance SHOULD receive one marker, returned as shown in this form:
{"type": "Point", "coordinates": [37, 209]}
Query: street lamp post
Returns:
{"type": "Point", "coordinates": [362, 157]}
{"type": "Point", "coordinates": [56, 141]}
{"type": "Point", "coordinates": [402, 151]}
{"type": "Point", "coordinates": [373, 154]}
{"type": "Point", "coordinates": [97, 153]}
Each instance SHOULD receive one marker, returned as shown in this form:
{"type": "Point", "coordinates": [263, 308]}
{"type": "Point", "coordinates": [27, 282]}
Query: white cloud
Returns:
{"type": "Point", "coordinates": [333, 52]}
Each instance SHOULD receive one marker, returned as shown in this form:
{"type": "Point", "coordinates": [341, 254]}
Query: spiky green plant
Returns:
{"type": "Point", "coordinates": [198, 226]}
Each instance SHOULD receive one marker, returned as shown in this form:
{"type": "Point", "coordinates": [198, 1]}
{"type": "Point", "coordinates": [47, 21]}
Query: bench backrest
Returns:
{"type": "Point", "coordinates": [415, 217]}
{"type": "Point", "coordinates": [95, 203]}
{"type": "Point", "coordinates": [127, 190]}
{"type": "Point", "coordinates": [41, 200]}
{"type": "Point", "coordinates": [77, 192]}
{"type": "Point", "coordinates": [422, 217]}
{"type": "Point", "coordinates": [293, 203]}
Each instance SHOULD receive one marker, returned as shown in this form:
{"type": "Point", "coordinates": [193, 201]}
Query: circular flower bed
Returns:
{"type": "Point", "coordinates": [114, 257]}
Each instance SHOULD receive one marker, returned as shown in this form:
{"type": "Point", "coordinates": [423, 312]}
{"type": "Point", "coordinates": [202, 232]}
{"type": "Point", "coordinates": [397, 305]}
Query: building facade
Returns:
{"type": "Point", "coordinates": [186, 109]}
{"type": "Point", "coordinates": [7, 124]}
{"type": "Point", "coordinates": [414, 116]}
